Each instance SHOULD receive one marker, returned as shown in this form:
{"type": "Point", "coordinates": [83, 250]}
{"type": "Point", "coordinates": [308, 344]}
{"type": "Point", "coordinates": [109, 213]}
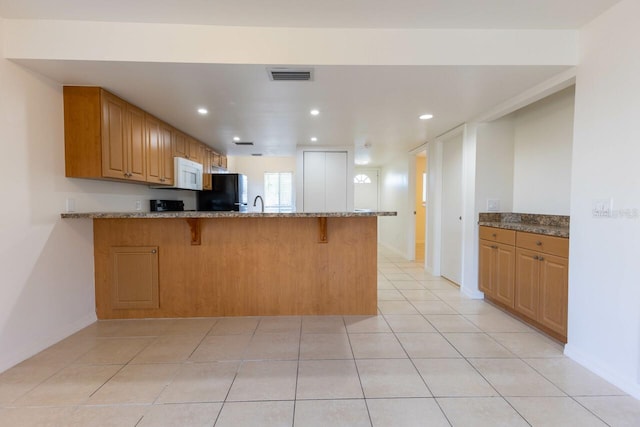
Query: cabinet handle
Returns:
{"type": "Point", "coordinates": [153, 251]}
{"type": "Point", "coordinates": [541, 258]}
{"type": "Point", "coordinates": [494, 247]}
{"type": "Point", "coordinates": [536, 257]}
{"type": "Point", "coordinates": [494, 235]}
{"type": "Point", "coordinates": [539, 243]}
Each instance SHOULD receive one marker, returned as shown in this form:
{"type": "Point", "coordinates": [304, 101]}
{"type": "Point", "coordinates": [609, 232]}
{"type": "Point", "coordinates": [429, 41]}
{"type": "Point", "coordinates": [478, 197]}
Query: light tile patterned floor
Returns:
{"type": "Point", "coordinates": [431, 357]}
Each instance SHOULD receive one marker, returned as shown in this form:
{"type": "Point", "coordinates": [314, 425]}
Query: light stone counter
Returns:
{"type": "Point", "coordinates": [217, 214]}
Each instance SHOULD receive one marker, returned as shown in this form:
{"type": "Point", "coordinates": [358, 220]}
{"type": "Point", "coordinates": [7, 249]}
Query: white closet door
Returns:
{"type": "Point", "coordinates": [314, 181]}
{"type": "Point", "coordinates": [336, 181]}
{"type": "Point", "coordinates": [451, 252]}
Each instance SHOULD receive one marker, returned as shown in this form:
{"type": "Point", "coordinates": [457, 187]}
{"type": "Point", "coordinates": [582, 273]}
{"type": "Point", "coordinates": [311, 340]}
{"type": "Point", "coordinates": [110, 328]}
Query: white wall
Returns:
{"type": "Point", "coordinates": [254, 168]}
{"type": "Point", "coordinates": [396, 195]}
{"type": "Point", "coordinates": [494, 164]}
{"type": "Point", "coordinates": [543, 135]}
{"type": "Point", "coordinates": [604, 273]}
{"type": "Point", "coordinates": [46, 285]}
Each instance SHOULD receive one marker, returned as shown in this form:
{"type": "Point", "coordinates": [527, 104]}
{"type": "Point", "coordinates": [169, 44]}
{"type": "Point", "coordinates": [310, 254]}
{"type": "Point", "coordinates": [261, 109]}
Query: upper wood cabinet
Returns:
{"type": "Point", "coordinates": [108, 138]}
{"type": "Point", "coordinates": [104, 136]}
{"type": "Point", "coordinates": [159, 152]}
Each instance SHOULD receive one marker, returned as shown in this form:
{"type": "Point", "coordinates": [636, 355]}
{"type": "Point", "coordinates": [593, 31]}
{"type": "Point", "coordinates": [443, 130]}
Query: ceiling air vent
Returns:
{"type": "Point", "coordinates": [243, 143]}
{"type": "Point", "coordinates": [290, 74]}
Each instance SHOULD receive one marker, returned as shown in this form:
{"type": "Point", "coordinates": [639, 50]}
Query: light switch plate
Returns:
{"type": "Point", "coordinates": [138, 205]}
{"type": "Point", "coordinates": [493, 205]}
{"type": "Point", "coordinates": [71, 205]}
{"type": "Point", "coordinates": [602, 208]}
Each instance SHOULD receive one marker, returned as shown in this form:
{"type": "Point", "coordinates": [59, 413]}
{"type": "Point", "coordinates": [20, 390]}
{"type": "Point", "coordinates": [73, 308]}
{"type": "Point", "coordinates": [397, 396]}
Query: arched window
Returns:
{"type": "Point", "coordinates": [361, 179]}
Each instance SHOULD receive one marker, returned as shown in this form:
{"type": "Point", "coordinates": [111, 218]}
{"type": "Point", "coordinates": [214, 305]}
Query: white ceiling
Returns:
{"type": "Point", "coordinates": [509, 14]}
{"type": "Point", "coordinates": [377, 105]}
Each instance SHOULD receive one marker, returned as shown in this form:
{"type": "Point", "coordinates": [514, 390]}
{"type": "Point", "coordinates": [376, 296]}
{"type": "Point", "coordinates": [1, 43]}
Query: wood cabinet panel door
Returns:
{"type": "Point", "coordinates": [485, 268]}
{"type": "Point", "coordinates": [180, 145]}
{"type": "Point", "coordinates": [166, 145]}
{"type": "Point", "coordinates": [527, 278]}
{"type": "Point", "coordinates": [114, 152]}
{"type": "Point", "coordinates": [154, 150]}
{"type": "Point", "coordinates": [134, 277]}
{"type": "Point", "coordinates": [136, 144]}
{"type": "Point", "coordinates": [195, 150]}
{"type": "Point", "coordinates": [504, 274]}
{"type": "Point", "coordinates": [553, 292]}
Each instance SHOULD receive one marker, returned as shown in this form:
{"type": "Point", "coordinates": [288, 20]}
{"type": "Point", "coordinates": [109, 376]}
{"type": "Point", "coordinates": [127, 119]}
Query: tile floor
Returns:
{"type": "Point", "coordinates": [430, 358]}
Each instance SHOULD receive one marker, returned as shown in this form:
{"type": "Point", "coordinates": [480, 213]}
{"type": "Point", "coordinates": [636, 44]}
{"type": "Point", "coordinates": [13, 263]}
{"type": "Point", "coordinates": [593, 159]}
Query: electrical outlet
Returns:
{"type": "Point", "coordinates": [493, 205]}
{"type": "Point", "coordinates": [71, 205]}
{"type": "Point", "coordinates": [138, 205]}
{"type": "Point", "coordinates": [602, 208]}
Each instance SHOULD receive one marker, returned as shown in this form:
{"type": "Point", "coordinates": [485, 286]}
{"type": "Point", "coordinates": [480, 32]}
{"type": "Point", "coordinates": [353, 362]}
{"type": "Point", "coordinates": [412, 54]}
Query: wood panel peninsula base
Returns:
{"type": "Point", "coordinates": [196, 264]}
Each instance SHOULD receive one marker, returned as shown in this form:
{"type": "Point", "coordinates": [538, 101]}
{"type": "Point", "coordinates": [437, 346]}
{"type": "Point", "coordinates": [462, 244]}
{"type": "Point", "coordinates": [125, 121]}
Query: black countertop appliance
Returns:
{"type": "Point", "coordinates": [166, 205]}
{"type": "Point", "coordinates": [228, 193]}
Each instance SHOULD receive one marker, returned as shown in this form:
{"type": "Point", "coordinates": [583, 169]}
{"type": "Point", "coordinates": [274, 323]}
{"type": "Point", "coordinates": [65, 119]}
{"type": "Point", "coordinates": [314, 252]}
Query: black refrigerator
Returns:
{"type": "Point", "coordinates": [228, 193]}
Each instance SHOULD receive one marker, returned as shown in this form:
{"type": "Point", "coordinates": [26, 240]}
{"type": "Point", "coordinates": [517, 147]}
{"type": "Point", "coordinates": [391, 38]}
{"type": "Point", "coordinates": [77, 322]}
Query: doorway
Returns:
{"type": "Point", "coordinates": [420, 206]}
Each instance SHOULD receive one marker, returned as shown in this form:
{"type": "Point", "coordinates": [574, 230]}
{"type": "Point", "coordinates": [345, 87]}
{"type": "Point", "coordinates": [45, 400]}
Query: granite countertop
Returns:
{"type": "Point", "coordinates": [217, 214]}
{"type": "Point", "coordinates": [549, 225]}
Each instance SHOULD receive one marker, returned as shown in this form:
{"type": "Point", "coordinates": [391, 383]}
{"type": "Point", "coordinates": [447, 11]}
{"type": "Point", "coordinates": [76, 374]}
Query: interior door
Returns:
{"type": "Point", "coordinates": [314, 181]}
{"type": "Point", "coordinates": [336, 181]}
{"type": "Point", "coordinates": [451, 251]}
{"type": "Point", "coordinates": [365, 190]}
{"type": "Point", "coordinates": [324, 181]}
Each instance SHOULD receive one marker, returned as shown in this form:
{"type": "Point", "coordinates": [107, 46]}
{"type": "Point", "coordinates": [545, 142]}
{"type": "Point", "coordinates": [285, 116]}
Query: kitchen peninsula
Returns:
{"type": "Point", "coordinates": [197, 264]}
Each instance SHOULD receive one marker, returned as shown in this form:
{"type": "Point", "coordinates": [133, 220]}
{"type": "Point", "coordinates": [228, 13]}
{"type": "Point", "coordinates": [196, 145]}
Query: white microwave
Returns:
{"type": "Point", "coordinates": [187, 175]}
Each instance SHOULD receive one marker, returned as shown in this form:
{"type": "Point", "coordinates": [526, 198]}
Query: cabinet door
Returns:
{"type": "Point", "coordinates": [223, 161]}
{"type": "Point", "coordinates": [553, 292]}
{"type": "Point", "coordinates": [180, 145]}
{"type": "Point", "coordinates": [504, 274]}
{"type": "Point", "coordinates": [134, 277]}
{"type": "Point", "coordinates": [486, 266]}
{"type": "Point", "coordinates": [527, 278]}
{"type": "Point", "coordinates": [114, 152]}
{"type": "Point", "coordinates": [195, 150]}
{"type": "Point", "coordinates": [135, 143]}
{"type": "Point", "coordinates": [166, 145]}
{"type": "Point", "coordinates": [155, 162]}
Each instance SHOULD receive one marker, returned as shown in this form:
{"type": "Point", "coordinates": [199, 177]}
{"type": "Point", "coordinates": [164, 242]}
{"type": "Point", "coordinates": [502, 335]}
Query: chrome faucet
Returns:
{"type": "Point", "coordinates": [261, 203]}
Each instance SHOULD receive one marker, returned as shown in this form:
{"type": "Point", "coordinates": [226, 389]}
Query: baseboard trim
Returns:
{"type": "Point", "coordinates": [575, 354]}
{"type": "Point", "coordinates": [8, 361]}
{"type": "Point", "coordinates": [394, 250]}
{"type": "Point", "coordinates": [472, 293]}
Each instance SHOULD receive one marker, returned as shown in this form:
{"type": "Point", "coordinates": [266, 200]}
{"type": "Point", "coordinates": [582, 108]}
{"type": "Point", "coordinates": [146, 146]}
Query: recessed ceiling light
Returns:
{"type": "Point", "coordinates": [202, 111]}
{"type": "Point", "coordinates": [236, 138]}
{"type": "Point", "coordinates": [426, 117]}
{"type": "Point", "coordinates": [314, 112]}
{"type": "Point", "coordinates": [314, 139]}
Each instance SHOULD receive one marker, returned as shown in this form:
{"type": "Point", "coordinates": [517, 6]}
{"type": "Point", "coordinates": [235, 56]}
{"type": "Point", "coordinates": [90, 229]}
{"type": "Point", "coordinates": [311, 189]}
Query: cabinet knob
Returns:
{"type": "Point", "coordinates": [541, 258]}
{"type": "Point", "coordinates": [494, 235]}
{"type": "Point", "coordinates": [153, 251]}
{"type": "Point", "coordinates": [538, 243]}
{"type": "Point", "coordinates": [536, 257]}
{"type": "Point", "coordinates": [494, 247]}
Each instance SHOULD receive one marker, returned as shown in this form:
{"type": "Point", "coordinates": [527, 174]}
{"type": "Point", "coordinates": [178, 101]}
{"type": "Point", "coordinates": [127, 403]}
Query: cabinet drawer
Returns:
{"type": "Point", "coordinates": [558, 246]}
{"type": "Point", "coordinates": [499, 235]}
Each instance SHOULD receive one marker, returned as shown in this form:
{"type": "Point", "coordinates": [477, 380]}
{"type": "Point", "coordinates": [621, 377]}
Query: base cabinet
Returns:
{"type": "Point", "coordinates": [497, 266]}
{"type": "Point", "coordinates": [529, 279]}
